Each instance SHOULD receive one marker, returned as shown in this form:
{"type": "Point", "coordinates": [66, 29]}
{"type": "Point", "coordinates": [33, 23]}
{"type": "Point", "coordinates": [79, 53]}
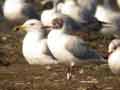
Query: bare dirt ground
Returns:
{"type": "Point", "coordinates": [18, 75]}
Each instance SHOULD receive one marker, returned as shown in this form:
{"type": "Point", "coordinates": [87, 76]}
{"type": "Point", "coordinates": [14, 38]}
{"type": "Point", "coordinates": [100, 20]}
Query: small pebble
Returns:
{"type": "Point", "coordinates": [4, 38]}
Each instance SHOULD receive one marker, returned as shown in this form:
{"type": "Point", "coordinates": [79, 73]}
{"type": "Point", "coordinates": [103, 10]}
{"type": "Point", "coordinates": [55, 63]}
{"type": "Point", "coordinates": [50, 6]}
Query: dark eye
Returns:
{"type": "Point", "coordinates": [32, 24]}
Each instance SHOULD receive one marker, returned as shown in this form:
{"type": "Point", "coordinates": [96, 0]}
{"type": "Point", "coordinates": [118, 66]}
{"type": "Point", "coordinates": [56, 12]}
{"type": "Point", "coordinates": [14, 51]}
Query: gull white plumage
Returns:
{"type": "Point", "coordinates": [34, 47]}
{"type": "Point", "coordinates": [114, 58]}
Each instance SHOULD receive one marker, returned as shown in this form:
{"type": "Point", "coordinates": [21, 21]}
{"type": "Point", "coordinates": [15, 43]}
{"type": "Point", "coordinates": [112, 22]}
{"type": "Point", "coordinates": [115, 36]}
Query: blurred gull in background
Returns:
{"type": "Point", "coordinates": [77, 15]}
{"type": "Point", "coordinates": [48, 15]}
{"type": "Point", "coordinates": [82, 12]}
{"type": "Point", "coordinates": [18, 11]}
{"type": "Point", "coordinates": [34, 47]}
{"type": "Point", "coordinates": [114, 57]}
{"type": "Point", "coordinates": [78, 9]}
{"type": "Point", "coordinates": [109, 13]}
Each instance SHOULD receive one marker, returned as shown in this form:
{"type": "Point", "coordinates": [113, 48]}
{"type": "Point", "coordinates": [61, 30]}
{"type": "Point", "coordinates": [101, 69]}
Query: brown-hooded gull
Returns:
{"type": "Point", "coordinates": [68, 48]}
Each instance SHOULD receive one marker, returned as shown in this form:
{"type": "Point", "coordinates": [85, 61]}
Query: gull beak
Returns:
{"type": "Point", "coordinates": [19, 28]}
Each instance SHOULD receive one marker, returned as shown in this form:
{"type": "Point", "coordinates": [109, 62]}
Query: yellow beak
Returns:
{"type": "Point", "coordinates": [20, 28]}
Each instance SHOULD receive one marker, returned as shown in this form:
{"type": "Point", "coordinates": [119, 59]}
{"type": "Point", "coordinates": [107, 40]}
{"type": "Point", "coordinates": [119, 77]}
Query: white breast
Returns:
{"type": "Point", "coordinates": [33, 47]}
{"type": "Point", "coordinates": [57, 42]}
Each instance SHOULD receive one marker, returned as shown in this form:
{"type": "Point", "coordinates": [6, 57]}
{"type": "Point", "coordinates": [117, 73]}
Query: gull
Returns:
{"type": "Point", "coordinates": [69, 48]}
{"type": "Point", "coordinates": [34, 47]}
{"type": "Point", "coordinates": [114, 57]}
{"type": "Point", "coordinates": [108, 13]}
{"type": "Point", "coordinates": [66, 46]}
{"type": "Point", "coordinates": [18, 11]}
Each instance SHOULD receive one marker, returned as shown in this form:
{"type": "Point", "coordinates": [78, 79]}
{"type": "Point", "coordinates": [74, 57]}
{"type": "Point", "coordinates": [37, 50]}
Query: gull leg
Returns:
{"type": "Point", "coordinates": [69, 71]}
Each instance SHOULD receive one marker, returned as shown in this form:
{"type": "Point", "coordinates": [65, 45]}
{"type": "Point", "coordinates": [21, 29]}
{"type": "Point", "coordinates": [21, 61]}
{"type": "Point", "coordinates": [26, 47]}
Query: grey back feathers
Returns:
{"type": "Point", "coordinates": [80, 50]}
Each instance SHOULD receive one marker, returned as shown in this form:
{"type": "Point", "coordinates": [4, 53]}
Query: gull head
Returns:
{"type": "Point", "coordinates": [57, 22]}
{"type": "Point", "coordinates": [30, 25]}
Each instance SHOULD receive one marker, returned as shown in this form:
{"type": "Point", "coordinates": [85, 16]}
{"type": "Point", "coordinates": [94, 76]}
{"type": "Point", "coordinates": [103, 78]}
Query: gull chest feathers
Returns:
{"type": "Point", "coordinates": [34, 45]}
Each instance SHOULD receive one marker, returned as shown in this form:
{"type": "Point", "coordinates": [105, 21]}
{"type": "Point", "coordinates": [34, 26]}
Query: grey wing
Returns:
{"type": "Point", "coordinates": [30, 12]}
{"type": "Point", "coordinates": [80, 50]}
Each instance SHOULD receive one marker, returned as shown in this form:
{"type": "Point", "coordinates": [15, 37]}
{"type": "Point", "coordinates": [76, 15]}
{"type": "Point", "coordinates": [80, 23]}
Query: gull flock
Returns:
{"type": "Point", "coordinates": [52, 37]}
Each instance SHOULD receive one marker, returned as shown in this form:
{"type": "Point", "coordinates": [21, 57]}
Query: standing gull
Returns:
{"type": "Point", "coordinates": [68, 48]}
{"type": "Point", "coordinates": [34, 47]}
